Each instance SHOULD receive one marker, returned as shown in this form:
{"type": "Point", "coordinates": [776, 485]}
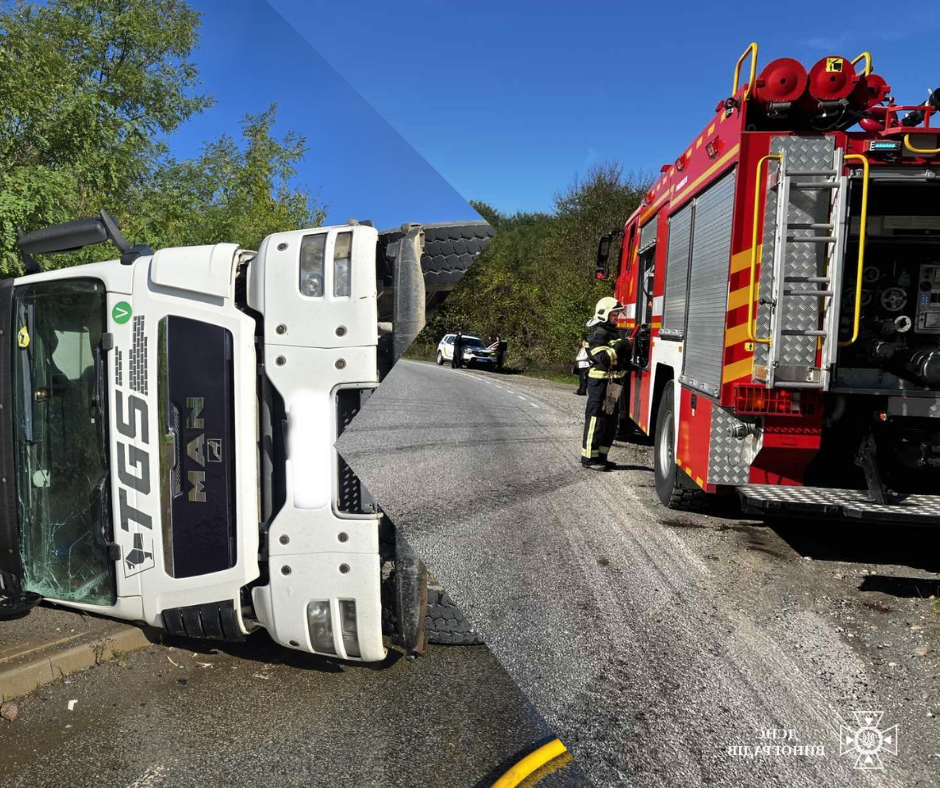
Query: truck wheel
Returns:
{"type": "Point", "coordinates": [17, 604]}
{"type": "Point", "coordinates": [445, 623]}
{"type": "Point", "coordinates": [440, 359]}
{"type": "Point", "coordinates": [449, 251]}
{"type": "Point", "coordinates": [673, 486]}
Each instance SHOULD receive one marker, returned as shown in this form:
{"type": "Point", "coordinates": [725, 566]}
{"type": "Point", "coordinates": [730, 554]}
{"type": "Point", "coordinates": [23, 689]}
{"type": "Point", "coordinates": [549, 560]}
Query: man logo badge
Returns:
{"type": "Point", "coordinates": [195, 449]}
{"type": "Point", "coordinates": [214, 450]}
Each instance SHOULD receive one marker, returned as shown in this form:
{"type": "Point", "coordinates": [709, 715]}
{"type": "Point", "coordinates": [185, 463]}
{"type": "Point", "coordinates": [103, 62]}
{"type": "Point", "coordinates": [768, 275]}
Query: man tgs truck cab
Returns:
{"type": "Point", "coordinates": [167, 423]}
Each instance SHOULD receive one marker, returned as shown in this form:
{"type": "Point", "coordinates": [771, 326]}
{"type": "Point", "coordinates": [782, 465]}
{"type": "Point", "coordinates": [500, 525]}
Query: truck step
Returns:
{"type": "Point", "coordinates": [779, 500]}
{"type": "Point", "coordinates": [811, 239]}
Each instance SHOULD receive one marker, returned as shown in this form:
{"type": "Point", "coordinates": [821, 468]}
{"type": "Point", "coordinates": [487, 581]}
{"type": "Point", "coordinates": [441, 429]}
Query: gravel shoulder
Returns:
{"type": "Point", "coordinates": [655, 643]}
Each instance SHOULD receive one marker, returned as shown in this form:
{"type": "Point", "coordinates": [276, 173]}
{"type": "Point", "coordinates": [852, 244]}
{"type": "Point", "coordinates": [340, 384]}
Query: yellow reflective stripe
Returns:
{"type": "Point", "coordinates": [611, 353]}
{"type": "Point", "coordinates": [600, 374]}
{"type": "Point", "coordinates": [604, 450]}
{"type": "Point", "coordinates": [588, 454]}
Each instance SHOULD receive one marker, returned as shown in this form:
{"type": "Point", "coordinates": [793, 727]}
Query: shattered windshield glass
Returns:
{"type": "Point", "coordinates": [60, 417]}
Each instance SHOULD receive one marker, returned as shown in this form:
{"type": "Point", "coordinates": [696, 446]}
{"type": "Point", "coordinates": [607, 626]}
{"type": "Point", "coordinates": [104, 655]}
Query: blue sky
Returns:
{"type": "Point", "coordinates": [250, 57]}
{"type": "Point", "coordinates": [510, 100]}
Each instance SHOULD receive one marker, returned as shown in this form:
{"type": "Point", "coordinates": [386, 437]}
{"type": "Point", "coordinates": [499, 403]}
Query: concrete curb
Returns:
{"type": "Point", "coordinates": [18, 679]}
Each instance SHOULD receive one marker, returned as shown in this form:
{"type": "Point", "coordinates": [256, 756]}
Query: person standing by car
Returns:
{"type": "Point", "coordinates": [501, 347]}
{"type": "Point", "coordinates": [582, 365]}
{"type": "Point", "coordinates": [457, 360]}
{"type": "Point", "coordinates": [609, 352]}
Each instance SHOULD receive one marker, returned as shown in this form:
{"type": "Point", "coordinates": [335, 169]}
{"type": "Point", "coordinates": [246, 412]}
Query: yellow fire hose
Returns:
{"type": "Point", "coordinates": [531, 764]}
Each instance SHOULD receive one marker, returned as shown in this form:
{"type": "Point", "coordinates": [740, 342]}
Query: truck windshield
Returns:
{"type": "Point", "coordinates": [60, 434]}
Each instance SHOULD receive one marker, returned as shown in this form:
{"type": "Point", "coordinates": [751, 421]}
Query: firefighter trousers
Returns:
{"type": "Point", "coordinates": [598, 437]}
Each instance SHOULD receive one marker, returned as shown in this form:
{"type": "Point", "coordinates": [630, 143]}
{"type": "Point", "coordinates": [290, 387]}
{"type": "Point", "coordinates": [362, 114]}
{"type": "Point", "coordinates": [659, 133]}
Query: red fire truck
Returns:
{"type": "Point", "coordinates": [782, 277]}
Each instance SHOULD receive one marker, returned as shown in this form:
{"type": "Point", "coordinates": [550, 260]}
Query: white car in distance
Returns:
{"type": "Point", "coordinates": [474, 351]}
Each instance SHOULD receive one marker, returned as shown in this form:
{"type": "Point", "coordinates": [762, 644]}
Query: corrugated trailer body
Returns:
{"type": "Point", "coordinates": [786, 274]}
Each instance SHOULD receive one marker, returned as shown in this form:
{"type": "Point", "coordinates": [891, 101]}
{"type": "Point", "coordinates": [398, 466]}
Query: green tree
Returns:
{"type": "Point", "coordinates": [90, 93]}
{"type": "Point", "coordinates": [89, 89]}
{"type": "Point", "coordinates": [229, 193]}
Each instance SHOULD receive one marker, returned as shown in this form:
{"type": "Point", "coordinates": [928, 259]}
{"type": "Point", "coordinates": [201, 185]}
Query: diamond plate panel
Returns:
{"type": "Point", "coordinates": [728, 458]}
{"type": "Point", "coordinates": [802, 259]}
{"type": "Point", "coordinates": [850, 503]}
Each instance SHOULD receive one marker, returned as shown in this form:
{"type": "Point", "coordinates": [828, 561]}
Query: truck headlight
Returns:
{"type": "Point", "coordinates": [347, 611]}
{"type": "Point", "coordinates": [312, 254]}
{"type": "Point", "coordinates": [320, 624]}
{"type": "Point", "coordinates": [311, 285]}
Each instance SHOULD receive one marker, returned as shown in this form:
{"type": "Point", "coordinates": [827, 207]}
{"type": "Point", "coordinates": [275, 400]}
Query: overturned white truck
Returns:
{"type": "Point", "coordinates": [167, 422]}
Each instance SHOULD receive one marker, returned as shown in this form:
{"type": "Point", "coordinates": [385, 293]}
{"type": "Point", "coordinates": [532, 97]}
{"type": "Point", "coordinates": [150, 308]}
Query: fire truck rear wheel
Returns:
{"type": "Point", "coordinates": [673, 490]}
{"type": "Point", "coordinates": [445, 623]}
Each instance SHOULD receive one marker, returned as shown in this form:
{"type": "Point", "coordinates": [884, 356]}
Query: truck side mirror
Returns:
{"type": "Point", "coordinates": [601, 270]}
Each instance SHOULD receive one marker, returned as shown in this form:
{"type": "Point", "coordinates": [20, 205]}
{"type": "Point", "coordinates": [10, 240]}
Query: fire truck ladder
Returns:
{"type": "Point", "coordinates": [802, 304]}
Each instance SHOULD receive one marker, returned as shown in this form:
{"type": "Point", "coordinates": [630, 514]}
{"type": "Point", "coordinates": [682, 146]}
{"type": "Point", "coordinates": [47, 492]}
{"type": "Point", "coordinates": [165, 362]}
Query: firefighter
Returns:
{"type": "Point", "coordinates": [457, 361]}
{"type": "Point", "coordinates": [609, 351]}
{"type": "Point", "coordinates": [581, 367]}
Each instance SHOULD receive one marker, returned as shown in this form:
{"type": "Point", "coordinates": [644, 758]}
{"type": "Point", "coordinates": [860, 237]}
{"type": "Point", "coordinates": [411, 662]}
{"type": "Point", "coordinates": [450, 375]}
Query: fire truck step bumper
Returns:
{"type": "Point", "coordinates": [777, 500]}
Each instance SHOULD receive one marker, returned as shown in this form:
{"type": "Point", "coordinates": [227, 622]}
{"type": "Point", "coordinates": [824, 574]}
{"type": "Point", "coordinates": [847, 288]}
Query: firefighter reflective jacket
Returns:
{"type": "Point", "coordinates": [610, 353]}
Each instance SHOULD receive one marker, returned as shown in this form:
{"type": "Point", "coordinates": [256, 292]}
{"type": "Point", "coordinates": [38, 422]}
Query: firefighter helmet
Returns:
{"type": "Point", "coordinates": [603, 309]}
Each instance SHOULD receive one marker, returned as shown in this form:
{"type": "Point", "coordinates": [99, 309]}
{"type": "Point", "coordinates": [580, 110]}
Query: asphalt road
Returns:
{"type": "Point", "coordinates": [257, 714]}
{"type": "Point", "coordinates": [658, 645]}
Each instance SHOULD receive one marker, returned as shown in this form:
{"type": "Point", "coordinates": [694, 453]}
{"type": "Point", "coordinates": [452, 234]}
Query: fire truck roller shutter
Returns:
{"type": "Point", "coordinates": [679, 248]}
{"type": "Point", "coordinates": [708, 286]}
{"type": "Point", "coordinates": [648, 234]}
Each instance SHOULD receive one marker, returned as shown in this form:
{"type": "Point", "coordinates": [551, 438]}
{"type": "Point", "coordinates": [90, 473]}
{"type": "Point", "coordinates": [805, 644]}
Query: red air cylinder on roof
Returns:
{"type": "Point", "coordinates": [871, 90]}
{"type": "Point", "coordinates": [782, 80]}
{"type": "Point", "coordinates": [832, 78]}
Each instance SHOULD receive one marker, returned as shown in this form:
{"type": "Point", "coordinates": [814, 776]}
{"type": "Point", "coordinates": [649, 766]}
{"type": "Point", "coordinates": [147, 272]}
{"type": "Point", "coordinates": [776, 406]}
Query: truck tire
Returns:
{"type": "Point", "coordinates": [450, 248]}
{"type": "Point", "coordinates": [449, 251]}
{"type": "Point", "coordinates": [445, 623]}
{"type": "Point", "coordinates": [673, 486]}
{"type": "Point", "coordinates": [17, 604]}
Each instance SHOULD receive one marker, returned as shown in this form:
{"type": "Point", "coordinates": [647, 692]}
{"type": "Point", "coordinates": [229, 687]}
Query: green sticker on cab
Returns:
{"type": "Point", "coordinates": [121, 312]}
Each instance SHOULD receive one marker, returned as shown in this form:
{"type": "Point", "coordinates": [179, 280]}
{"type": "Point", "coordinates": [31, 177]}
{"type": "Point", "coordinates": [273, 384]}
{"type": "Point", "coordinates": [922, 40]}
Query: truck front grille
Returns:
{"type": "Point", "coordinates": [351, 496]}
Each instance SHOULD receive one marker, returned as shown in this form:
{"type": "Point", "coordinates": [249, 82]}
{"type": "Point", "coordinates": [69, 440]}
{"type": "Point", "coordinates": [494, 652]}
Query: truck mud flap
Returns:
{"type": "Point", "coordinates": [213, 620]}
{"type": "Point", "coordinates": [782, 501]}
